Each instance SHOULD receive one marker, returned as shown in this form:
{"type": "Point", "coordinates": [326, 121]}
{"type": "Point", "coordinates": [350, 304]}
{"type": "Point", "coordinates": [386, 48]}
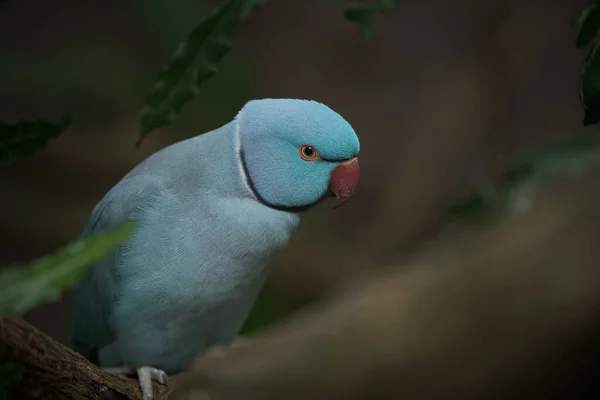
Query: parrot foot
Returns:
{"type": "Point", "coordinates": [145, 377]}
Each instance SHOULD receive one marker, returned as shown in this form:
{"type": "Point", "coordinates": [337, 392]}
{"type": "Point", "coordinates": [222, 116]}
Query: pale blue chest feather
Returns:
{"type": "Point", "coordinates": [201, 279]}
{"type": "Point", "coordinates": [190, 275]}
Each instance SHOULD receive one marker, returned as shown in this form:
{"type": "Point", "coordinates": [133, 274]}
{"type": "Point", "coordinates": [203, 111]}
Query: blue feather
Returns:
{"type": "Point", "coordinates": [188, 277]}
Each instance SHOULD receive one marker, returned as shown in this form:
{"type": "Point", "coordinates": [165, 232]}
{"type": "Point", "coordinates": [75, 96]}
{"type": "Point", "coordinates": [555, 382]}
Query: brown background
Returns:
{"type": "Point", "coordinates": [439, 97]}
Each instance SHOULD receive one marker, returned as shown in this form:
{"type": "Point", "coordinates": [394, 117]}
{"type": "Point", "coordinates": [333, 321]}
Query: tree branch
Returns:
{"type": "Point", "coordinates": [53, 371]}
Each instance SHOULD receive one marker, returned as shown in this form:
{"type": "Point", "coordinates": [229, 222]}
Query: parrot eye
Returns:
{"type": "Point", "coordinates": [308, 153]}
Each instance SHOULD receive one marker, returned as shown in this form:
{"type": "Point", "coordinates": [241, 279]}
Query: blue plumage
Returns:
{"type": "Point", "coordinates": [212, 212]}
{"type": "Point", "coordinates": [274, 129]}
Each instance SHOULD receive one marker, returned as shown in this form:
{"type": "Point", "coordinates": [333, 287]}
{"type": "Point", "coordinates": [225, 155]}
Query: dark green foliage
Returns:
{"type": "Point", "coordinates": [270, 306]}
{"type": "Point", "coordinates": [23, 288]}
{"type": "Point", "coordinates": [475, 204]}
{"type": "Point", "coordinates": [589, 87]}
{"type": "Point", "coordinates": [10, 373]}
{"type": "Point", "coordinates": [364, 15]}
{"type": "Point", "coordinates": [194, 62]}
{"type": "Point", "coordinates": [25, 138]}
{"type": "Point", "coordinates": [251, 6]}
{"type": "Point", "coordinates": [528, 173]}
{"type": "Point", "coordinates": [588, 25]}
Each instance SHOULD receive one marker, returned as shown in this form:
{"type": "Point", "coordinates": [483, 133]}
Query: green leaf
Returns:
{"type": "Point", "coordinates": [10, 373]}
{"type": "Point", "coordinates": [25, 138]}
{"type": "Point", "coordinates": [194, 61]}
{"type": "Point", "coordinates": [474, 205]}
{"type": "Point", "coordinates": [251, 6]}
{"type": "Point", "coordinates": [527, 174]}
{"type": "Point", "coordinates": [25, 287]}
{"type": "Point", "coordinates": [364, 15]}
{"type": "Point", "coordinates": [588, 25]}
{"type": "Point", "coordinates": [589, 85]}
{"type": "Point", "coordinates": [270, 306]}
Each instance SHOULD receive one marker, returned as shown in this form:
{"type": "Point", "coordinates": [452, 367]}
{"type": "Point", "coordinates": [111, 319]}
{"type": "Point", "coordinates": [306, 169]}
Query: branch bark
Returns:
{"type": "Point", "coordinates": [511, 311]}
{"type": "Point", "coordinates": [53, 371]}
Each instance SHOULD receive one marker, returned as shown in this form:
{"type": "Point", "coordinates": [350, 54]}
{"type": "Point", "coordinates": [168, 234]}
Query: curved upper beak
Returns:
{"type": "Point", "coordinates": [344, 179]}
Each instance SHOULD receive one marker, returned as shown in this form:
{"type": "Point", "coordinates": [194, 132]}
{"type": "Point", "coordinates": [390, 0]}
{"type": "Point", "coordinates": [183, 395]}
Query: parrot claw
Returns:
{"type": "Point", "coordinates": [145, 377]}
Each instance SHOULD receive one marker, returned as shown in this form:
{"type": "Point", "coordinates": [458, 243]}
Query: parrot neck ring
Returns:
{"type": "Point", "coordinates": [279, 207]}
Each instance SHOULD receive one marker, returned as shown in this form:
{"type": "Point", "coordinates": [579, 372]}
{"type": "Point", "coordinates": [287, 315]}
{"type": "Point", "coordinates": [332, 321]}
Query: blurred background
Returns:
{"type": "Point", "coordinates": [441, 95]}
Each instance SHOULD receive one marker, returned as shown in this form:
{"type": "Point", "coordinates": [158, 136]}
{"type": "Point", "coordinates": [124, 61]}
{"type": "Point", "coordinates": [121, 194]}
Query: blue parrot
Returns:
{"type": "Point", "coordinates": [211, 213]}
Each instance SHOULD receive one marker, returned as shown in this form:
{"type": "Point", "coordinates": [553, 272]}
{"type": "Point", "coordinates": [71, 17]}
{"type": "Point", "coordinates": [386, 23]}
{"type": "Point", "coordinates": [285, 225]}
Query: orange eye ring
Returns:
{"type": "Point", "coordinates": [308, 152]}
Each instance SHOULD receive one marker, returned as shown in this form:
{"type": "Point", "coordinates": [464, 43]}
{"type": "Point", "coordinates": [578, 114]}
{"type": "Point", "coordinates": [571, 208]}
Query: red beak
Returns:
{"type": "Point", "coordinates": [344, 179]}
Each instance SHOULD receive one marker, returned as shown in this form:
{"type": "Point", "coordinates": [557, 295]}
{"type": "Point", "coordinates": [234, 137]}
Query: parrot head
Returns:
{"type": "Point", "coordinates": [296, 153]}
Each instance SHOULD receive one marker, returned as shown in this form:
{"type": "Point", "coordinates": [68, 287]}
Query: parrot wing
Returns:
{"type": "Point", "coordinates": [92, 302]}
